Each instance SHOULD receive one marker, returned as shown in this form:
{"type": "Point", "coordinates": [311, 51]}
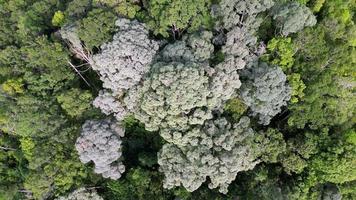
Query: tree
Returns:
{"type": "Point", "coordinates": [280, 51]}
{"type": "Point", "coordinates": [219, 151]}
{"type": "Point", "coordinates": [75, 101]}
{"type": "Point", "coordinates": [236, 12]}
{"type": "Point", "coordinates": [139, 184]}
{"type": "Point", "coordinates": [325, 66]}
{"type": "Point", "coordinates": [81, 193]}
{"type": "Point", "coordinates": [123, 62]}
{"type": "Point", "coordinates": [317, 5]}
{"type": "Point", "coordinates": [100, 142]}
{"type": "Point", "coordinates": [53, 166]}
{"type": "Point", "coordinates": [77, 9]}
{"type": "Point", "coordinates": [111, 104]}
{"type": "Point", "coordinates": [325, 103]}
{"type": "Point", "coordinates": [58, 18]}
{"type": "Point", "coordinates": [292, 17]}
{"type": "Point", "coordinates": [13, 87]}
{"type": "Point", "coordinates": [45, 67]}
{"type": "Point", "coordinates": [29, 116]}
{"type": "Point", "coordinates": [265, 91]}
{"type": "Point", "coordinates": [127, 8]}
{"type": "Point", "coordinates": [169, 96]}
{"type": "Point", "coordinates": [177, 16]}
{"type": "Point", "coordinates": [12, 167]}
{"type": "Point", "coordinates": [297, 87]}
{"type": "Point", "coordinates": [270, 145]}
{"type": "Point", "coordinates": [33, 18]}
{"type": "Point", "coordinates": [195, 47]}
{"type": "Point", "coordinates": [97, 28]}
{"type": "Point", "coordinates": [235, 107]}
{"type": "Point", "coordinates": [348, 190]}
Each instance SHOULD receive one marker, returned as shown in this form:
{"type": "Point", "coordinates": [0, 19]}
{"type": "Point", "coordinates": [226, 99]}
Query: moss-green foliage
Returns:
{"type": "Point", "coordinates": [236, 108]}
{"type": "Point", "coordinates": [97, 28]}
{"type": "Point", "coordinates": [12, 167]}
{"type": "Point", "coordinates": [75, 101]}
{"type": "Point", "coordinates": [273, 144]}
{"type": "Point", "coordinates": [138, 184]}
{"type": "Point", "coordinates": [168, 17]}
{"type": "Point", "coordinates": [325, 63]}
{"type": "Point", "coordinates": [127, 8]}
{"type": "Point", "coordinates": [13, 86]}
{"type": "Point", "coordinates": [28, 19]}
{"type": "Point", "coordinates": [297, 86]}
{"type": "Point", "coordinates": [58, 18]}
{"type": "Point", "coordinates": [46, 66]}
{"type": "Point", "coordinates": [54, 162]}
{"type": "Point", "coordinates": [77, 9]}
{"type": "Point", "coordinates": [280, 51]}
{"type": "Point", "coordinates": [316, 5]}
{"type": "Point", "coordinates": [337, 164]}
{"type": "Point", "coordinates": [348, 190]}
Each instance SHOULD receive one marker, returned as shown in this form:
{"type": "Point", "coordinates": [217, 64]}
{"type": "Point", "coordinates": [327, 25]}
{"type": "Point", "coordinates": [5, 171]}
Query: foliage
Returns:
{"type": "Point", "coordinates": [195, 47]}
{"type": "Point", "coordinates": [297, 87]}
{"type": "Point", "coordinates": [127, 8]}
{"type": "Point", "coordinates": [12, 167]}
{"type": "Point", "coordinates": [236, 12]}
{"type": "Point", "coordinates": [167, 16]}
{"type": "Point", "coordinates": [58, 18]}
{"type": "Point", "coordinates": [218, 151]}
{"type": "Point", "coordinates": [32, 18]}
{"type": "Point", "coordinates": [123, 62]}
{"type": "Point", "coordinates": [13, 86]}
{"type": "Point", "coordinates": [235, 107]}
{"type": "Point", "coordinates": [77, 9]}
{"type": "Point", "coordinates": [265, 91]}
{"type": "Point", "coordinates": [82, 193]}
{"type": "Point", "coordinates": [46, 67]}
{"type": "Point", "coordinates": [272, 143]}
{"type": "Point", "coordinates": [96, 28]}
{"type": "Point", "coordinates": [75, 102]}
{"type": "Point", "coordinates": [161, 106]}
{"type": "Point", "coordinates": [280, 51]}
{"type": "Point", "coordinates": [186, 91]}
{"type": "Point", "coordinates": [33, 117]}
{"type": "Point", "coordinates": [292, 17]}
{"type": "Point", "coordinates": [138, 184]}
{"type": "Point", "coordinates": [326, 69]}
{"type": "Point", "coordinates": [100, 142]}
{"type": "Point", "coordinates": [317, 5]}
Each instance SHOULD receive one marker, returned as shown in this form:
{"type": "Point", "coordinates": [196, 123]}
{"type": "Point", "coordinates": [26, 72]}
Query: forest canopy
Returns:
{"type": "Point", "coordinates": [177, 99]}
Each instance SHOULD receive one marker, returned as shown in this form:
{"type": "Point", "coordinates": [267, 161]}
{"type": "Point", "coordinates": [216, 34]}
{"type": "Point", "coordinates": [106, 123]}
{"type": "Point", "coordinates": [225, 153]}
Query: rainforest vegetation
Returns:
{"type": "Point", "coordinates": [177, 99]}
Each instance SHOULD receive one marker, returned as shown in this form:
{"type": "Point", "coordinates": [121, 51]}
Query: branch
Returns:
{"type": "Point", "coordinates": [7, 148]}
{"type": "Point", "coordinates": [75, 69]}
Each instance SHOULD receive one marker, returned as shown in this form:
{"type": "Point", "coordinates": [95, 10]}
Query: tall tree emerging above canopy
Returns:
{"type": "Point", "coordinates": [265, 92]}
{"type": "Point", "coordinates": [238, 12]}
{"type": "Point", "coordinates": [124, 61]}
{"type": "Point", "coordinates": [121, 64]}
{"type": "Point", "coordinates": [100, 142]}
{"type": "Point", "coordinates": [292, 17]}
{"type": "Point", "coordinates": [219, 151]}
{"type": "Point", "coordinates": [169, 97]}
